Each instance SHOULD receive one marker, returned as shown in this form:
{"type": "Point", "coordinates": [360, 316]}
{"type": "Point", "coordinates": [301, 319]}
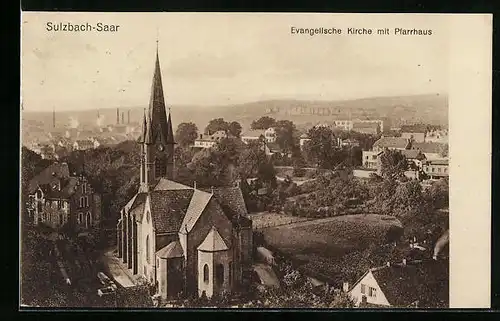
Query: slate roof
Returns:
{"type": "Point", "coordinates": [52, 173]}
{"type": "Point", "coordinates": [413, 154]}
{"type": "Point", "coordinates": [365, 125]}
{"type": "Point", "coordinates": [197, 205]}
{"type": "Point", "coordinates": [169, 208]}
{"type": "Point", "coordinates": [232, 198]}
{"type": "Point", "coordinates": [213, 242]}
{"type": "Point", "coordinates": [253, 133]}
{"type": "Point", "coordinates": [391, 142]}
{"type": "Point", "coordinates": [437, 162]}
{"type": "Point", "coordinates": [428, 147]}
{"type": "Point", "coordinates": [426, 282]}
{"type": "Point", "coordinates": [172, 250]}
{"type": "Point", "coordinates": [165, 184]}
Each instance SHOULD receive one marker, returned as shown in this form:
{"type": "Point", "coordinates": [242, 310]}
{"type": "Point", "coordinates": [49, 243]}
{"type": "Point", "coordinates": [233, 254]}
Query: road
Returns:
{"type": "Point", "coordinates": [266, 275]}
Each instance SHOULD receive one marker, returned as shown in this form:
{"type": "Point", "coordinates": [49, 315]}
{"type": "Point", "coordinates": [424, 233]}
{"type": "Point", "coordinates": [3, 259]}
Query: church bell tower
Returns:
{"type": "Point", "coordinates": [157, 137]}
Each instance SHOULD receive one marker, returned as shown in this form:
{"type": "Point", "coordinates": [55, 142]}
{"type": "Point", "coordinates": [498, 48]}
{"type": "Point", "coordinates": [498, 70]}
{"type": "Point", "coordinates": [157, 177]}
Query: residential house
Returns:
{"type": "Point", "coordinates": [302, 140]}
{"type": "Point", "coordinates": [392, 143]}
{"type": "Point", "coordinates": [348, 142]}
{"type": "Point", "coordinates": [181, 239]}
{"type": "Point", "coordinates": [371, 159]}
{"type": "Point", "coordinates": [431, 150]}
{"type": "Point", "coordinates": [56, 198]}
{"type": "Point", "coordinates": [417, 137]}
{"type": "Point", "coordinates": [208, 141]}
{"type": "Point", "coordinates": [414, 157]}
{"type": "Point", "coordinates": [417, 284]}
{"type": "Point", "coordinates": [346, 125]}
{"type": "Point", "coordinates": [437, 136]}
{"type": "Point", "coordinates": [253, 135]}
{"type": "Point", "coordinates": [370, 128]}
{"type": "Point", "coordinates": [436, 168]}
{"type": "Point", "coordinates": [415, 132]}
{"type": "Point", "coordinates": [270, 135]}
{"type": "Point", "coordinates": [83, 144]}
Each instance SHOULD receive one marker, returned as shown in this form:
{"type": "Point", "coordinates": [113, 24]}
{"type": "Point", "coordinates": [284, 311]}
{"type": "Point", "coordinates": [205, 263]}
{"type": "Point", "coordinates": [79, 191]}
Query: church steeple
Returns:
{"type": "Point", "coordinates": [157, 136]}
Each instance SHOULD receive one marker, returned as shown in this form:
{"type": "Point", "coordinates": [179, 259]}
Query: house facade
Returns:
{"type": "Point", "coordinates": [436, 168]}
{"type": "Point", "coordinates": [183, 240]}
{"type": "Point", "coordinates": [208, 141]}
{"type": "Point", "coordinates": [253, 135]}
{"type": "Point", "coordinates": [56, 198]}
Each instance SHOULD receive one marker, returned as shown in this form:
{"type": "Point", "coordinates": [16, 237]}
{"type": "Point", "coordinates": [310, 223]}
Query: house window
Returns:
{"type": "Point", "coordinates": [205, 273]}
{"type": "Point", "coordinates": [445, 169]}
{"type": "Point", "coordinates": [81, 201]}
{"type": "Point", "coordinates": [80, 218]}
{"type": "Point", "coordinates": [59, 205]}
{"type": "Point", "coordinates": [372, 292]}
{"type": "Point", "coordinates": [84, 188]}
{"type": "Point", "coordinates": [147, 248]}
{"type": "Point", "coordinates": [363, 289]}
{"type": "Point", "coordinates": [38, 194]}
{"type": "Point", "coordinates": [39, 205]}
{"type": "Point", "coordinates": [219, 274]}
{"type": "Point", "coordinates": [86, 201]}
{"type": "Point", "coordinates": [439, 169]}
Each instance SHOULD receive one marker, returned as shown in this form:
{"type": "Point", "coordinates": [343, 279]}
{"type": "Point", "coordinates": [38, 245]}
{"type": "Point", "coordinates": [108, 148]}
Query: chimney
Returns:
{"type": "Point", "coordinates": [345, 286]}
{"type": "Point", "coordinates": [212, 189]}
{"type": "Point", "coordinates": [117, 116]}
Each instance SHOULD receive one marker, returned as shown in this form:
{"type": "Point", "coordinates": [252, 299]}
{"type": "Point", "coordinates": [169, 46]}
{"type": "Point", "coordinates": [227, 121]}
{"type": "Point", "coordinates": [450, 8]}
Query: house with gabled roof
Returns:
{"type": "Point", "coordinates": [422, 283]}
{"type": "Point", "coordinates": [183, 240]}
{"type": "Point", "coordinates": [56, 198]}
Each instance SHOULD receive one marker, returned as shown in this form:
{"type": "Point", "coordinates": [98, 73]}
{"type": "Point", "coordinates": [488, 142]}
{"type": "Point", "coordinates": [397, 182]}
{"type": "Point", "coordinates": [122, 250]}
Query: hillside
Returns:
{"type": "Point", "coordinates": [432, 109]}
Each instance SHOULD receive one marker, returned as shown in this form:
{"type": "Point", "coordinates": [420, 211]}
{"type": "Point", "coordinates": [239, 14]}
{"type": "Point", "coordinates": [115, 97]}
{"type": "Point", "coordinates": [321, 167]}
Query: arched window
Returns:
{"type": "Point", "coordinates": [88, 222]}
{"type": "Point", "coordinates": [219, 274]}
{"type": "Point", "coordinates": [147, 248]}
{"type": "Point", "coordinates": [80, 218]}
{"type": "Point", "coordinates": [205, 273]}
{"type": "Point", "coordinates": [39, 194]}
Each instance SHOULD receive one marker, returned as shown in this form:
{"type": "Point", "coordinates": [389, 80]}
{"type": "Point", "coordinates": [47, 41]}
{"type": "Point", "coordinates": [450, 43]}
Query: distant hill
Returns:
{"type": "Point", "coordinates": [430, 109]}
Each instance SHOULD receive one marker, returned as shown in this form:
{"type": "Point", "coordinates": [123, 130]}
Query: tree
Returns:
{"type": "Point", "coordinates": [286, 134]}
{"type": "Point", "coordinates": [393, 164]}
{"type": "Point", "coordinates": [186, 134]}
{"type": "Point", "coordinates": [210, 169]}
{"type": "Point", "coordinates": [263, 123]}
{"type": "Point", "coordinates": [234, 129]}
{"type": "Point", "coordinates": [443, 150]}
{"type": "Point", "coordinates": [321, 149]}
{"type": "Point", "coordinates": [215, 125]}
{"type": "Point", "coordinates": [253, 163]}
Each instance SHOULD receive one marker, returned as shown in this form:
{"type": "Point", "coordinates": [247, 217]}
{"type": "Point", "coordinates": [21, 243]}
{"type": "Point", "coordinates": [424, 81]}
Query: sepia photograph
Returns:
{"type": "Point", "coordinates": [257, 161]}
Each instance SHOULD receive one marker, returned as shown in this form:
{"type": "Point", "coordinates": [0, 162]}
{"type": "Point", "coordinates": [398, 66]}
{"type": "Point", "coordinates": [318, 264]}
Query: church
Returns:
{"type": "Point", "coordinates": [183, 239]}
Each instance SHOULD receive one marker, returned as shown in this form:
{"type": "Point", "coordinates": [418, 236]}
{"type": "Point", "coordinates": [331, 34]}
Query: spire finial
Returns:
{"type": "Point", "coordinates": [157, 38]}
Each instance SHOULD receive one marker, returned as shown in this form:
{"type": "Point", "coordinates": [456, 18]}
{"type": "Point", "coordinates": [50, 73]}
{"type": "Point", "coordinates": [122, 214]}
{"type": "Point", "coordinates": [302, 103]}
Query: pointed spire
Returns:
{"type": "Point", "coordinates": [170, 131]}
{"type": "Point", "coordinates": [158, 122]}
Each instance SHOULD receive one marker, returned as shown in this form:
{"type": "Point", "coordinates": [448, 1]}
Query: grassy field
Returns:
{"type": "Point", "coordinates": [330, 237]}
{"type": "Point", "coordinates": [267, 219]}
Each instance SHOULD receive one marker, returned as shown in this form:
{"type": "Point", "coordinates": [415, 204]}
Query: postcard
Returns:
{"type": "Point", "coordinates": [255, 161]}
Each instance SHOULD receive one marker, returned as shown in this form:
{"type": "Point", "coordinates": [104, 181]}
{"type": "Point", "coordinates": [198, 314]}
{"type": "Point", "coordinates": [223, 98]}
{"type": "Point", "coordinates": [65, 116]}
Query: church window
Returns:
{"type": "Point", "coordinates": [81, 201]}
{"type": "Point", "coordinates": [160, 167]}
{"type": "Point", "coordinates": [39, 206]}
{"type": "Point", "coordinates": [39, 194]}
{"type": "Point", "coordinates": [80, 218]}
{"type": "Point", "coordinates": [84, 188]}
{"type": "Point", "coordinates": [205, 273]}
{"type": "Point", "coordinates": [147, 248]}
{"type": "Point", "coordinates": [86, 201]}
{"type": "Point", "coordinates": [219, 274]}
{"type": "Point", "coordinates": [88, 221]}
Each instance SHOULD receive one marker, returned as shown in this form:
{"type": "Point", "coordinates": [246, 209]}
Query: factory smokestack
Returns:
{"type": "Point", "coordinates": [123, 118]}
{"type": "Point", "coordinates": [117, 116]}
{"type": "Point", "coordinates": [53, 117]}
{"type": "Point", "coordinates": [441, 243]}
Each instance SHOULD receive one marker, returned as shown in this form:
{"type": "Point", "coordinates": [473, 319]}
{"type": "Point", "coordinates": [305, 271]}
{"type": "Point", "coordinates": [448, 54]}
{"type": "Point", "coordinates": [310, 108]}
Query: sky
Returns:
{"type": "Point", "coordinates": [220, 59]}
